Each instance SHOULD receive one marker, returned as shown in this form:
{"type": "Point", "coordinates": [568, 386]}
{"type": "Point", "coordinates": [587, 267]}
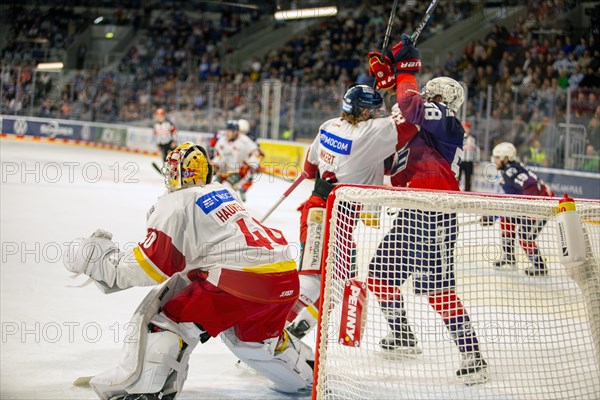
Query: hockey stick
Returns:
{"type": "Point", "coordinates": [424, 21]}
{"type": "Point", "coordinates": [285, 194]}
{"type": "Point", "coordinates": [388, 32]}
{"type": "Point", "coordinates": [473, 222]}
{"type": "Point", "coordinates": [157, 168]}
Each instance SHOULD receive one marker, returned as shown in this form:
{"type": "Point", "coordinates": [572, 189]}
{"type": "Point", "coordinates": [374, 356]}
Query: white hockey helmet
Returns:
{"type": "Point", "coordinates": [504, 149]}
{"type": "Point", "coordinates": [451, 91]}
{"type": "Point", "coordinates": [244, 126]}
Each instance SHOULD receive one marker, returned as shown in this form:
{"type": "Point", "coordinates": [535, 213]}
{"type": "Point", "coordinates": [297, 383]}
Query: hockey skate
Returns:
{"type": "Point", "coordinates": [473, 369]}
{"type": "Point", "coordinates": [507, 260]}
{"type": "Point", "coordinates": [539, 266]}
{"type": "Point", "coordinates": [400, 343]}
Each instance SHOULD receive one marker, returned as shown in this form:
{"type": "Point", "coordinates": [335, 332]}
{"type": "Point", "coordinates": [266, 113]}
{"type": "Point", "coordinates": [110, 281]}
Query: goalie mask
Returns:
{"type": "Point", "coordinates": [452, 93]}
{"type": "Point", "coordinates": [186, 166]}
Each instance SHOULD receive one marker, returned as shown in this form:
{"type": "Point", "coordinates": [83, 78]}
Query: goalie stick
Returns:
{"type": "Point", "coordinates": [157, 168]}
{"type": "Point", "coordinates": [82, 381]}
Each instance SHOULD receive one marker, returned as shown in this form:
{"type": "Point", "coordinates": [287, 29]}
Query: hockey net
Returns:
{"type": "Point", "coordinates": [538, 334]}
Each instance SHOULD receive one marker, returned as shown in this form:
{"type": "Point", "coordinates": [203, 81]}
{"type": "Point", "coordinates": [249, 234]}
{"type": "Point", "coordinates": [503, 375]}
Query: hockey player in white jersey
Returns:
{"type": "Point", "coordinates": [348, 149]}
{"type": "Point", "coordinates": [236, 159]}
{"type": "Point", "coordinates": [198, 240]}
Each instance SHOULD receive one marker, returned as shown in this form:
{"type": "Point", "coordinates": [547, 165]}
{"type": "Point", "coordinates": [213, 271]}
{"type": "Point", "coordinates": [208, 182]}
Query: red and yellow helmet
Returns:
{"type": "Point", "coordinates": [185, 166]}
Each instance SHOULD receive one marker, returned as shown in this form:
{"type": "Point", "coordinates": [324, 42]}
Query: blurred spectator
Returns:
{"type": "Point", "coordinates": [537, 155]}
{"type": "Point", "coordinates": [591, 161]}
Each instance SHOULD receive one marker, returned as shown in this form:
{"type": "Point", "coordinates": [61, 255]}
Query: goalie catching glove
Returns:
{"type": "Point", "coordinates": [96, 256]}
{"type": "Point", "coordinates": [102, 260]}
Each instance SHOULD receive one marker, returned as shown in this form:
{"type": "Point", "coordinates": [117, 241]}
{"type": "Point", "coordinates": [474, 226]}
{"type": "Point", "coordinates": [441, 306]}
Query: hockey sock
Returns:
{"type": "Point", "coordinates": [456, 319]}
{"type": "Point", "coordinates": [530, 247]}
{"type": "Point", "coordinates": [391, 303]}
{"type": "Point", "coordinates": [508, 245]}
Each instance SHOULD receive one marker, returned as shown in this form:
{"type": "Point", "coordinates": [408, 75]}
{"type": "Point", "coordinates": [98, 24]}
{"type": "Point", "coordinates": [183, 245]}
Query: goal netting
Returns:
{"type": "Point", "coordinates": [537, 333]}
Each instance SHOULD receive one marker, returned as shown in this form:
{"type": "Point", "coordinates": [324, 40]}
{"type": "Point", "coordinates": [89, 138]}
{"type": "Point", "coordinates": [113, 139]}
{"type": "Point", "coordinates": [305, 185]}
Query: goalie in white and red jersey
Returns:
{"type": "Point", "coordinates": [198, 238]}
{"type": "Point", "coordinates": [421, 244]}
{"type": "Point", "coordinates": [236, 159]}
{"type": "Point", "coordinates": [348, 149]}
{"type": "Point", "coordinates": [164, 132]}
{"type": "Point", "coordinates": [517, 179]}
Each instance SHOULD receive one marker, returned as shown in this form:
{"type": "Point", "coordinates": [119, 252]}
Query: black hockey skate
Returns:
{"type": "Point", "coordinates": [507, 260]}
{"type": "Point", "coordinates": [539, 266]}
{"type": "Point", "coordinates": [473, 369]}
{"type": "Point", "coordinates": [402, 343]}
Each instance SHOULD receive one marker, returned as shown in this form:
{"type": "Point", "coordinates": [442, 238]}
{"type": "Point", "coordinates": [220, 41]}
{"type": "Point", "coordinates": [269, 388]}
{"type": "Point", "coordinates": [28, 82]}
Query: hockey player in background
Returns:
{"type": "Point", "coordinates": [517, 179]}
{"type": "Point", "coordinates": [236, 159]}
{"type": "Point", "coordinates": [164, 132]}
{"type": "Point", "coordinates": [197, 242]}
{"type": "Point", "coordinates": [421, 243]}
{"type": "Point", "coordinates": [348, 149]}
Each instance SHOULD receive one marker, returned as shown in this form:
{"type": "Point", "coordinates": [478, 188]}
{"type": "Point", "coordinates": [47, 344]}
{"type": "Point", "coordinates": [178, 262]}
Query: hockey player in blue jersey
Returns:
{"type": "Point", "coordinates": [421, 243]}
{"type": "Point", "coordinates": [517, 179]}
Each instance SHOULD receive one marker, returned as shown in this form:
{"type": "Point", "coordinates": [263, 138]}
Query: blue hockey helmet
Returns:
{"type": "Point", "coordinates": [233, 125]}
{"type": "Point", "coordinates": [359, 97]}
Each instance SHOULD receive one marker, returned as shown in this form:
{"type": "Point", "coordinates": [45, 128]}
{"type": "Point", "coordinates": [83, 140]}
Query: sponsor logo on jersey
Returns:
{"type": "Point", "coordinates": [335, 143]}
{"type": "Point", "coordinates": [213, 200]}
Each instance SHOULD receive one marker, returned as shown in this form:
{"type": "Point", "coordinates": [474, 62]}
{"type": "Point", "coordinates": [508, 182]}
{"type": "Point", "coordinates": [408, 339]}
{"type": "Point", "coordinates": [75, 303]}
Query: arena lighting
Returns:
{"type": "Point", "coordinates": [233, 4]}
{"type": "Point", "coordinates": [306, 13]}
{"type": "Point", "coordinates": [49, 66]}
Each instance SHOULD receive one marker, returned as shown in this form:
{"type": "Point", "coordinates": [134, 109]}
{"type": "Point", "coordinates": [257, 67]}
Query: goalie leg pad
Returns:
{"type": "Point", "coordinates": [313, 246]}
{"type": "Point", "coordinates": [139, 354]}
{"type": "Point", "coordinates": [284, 364]}
{"type": "Point", "coordinates": [159, 359]}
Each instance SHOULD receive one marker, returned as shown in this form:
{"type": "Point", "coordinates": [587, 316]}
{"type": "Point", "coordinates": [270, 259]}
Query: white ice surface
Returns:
{"type": "Point", "coordinates": [52, 333]}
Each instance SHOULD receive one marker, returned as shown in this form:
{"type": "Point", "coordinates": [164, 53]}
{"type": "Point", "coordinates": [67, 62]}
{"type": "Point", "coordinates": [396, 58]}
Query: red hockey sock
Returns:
{"type": "Point", "coordinates": [447, 304]}
{"type": "Point", "coordinates": [383, 290]}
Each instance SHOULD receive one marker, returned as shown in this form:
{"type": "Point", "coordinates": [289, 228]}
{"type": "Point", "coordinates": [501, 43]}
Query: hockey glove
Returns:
{"type": "Point", "coordinates": [96, 257]}
{"type": "Point", "coordinates": [406, 56]}
{"type": "Point", "coordinates": [382, 69]}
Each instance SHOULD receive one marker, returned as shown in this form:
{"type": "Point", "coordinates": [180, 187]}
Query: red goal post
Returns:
{"type": "Point", "coordinates": [540, 334]}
